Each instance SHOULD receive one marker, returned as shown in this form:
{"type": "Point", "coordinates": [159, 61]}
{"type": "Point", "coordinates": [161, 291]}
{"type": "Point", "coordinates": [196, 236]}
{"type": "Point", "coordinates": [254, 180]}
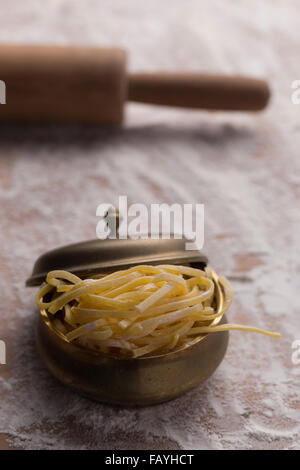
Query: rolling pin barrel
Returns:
{"type": "Point", "coordinates": [90, 85]}
{"type": "Point", "coordinates": [63, 84]}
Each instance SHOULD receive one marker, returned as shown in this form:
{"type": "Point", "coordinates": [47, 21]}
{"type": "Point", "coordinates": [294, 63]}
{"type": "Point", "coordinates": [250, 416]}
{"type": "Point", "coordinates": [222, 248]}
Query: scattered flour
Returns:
{"type": "Point", "coordinates": [245, 169]}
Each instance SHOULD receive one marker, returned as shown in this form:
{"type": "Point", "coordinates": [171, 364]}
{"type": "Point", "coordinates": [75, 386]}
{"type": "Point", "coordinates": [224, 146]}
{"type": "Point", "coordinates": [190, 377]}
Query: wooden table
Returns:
{"type": "Point", "coordinates": [244, 168]}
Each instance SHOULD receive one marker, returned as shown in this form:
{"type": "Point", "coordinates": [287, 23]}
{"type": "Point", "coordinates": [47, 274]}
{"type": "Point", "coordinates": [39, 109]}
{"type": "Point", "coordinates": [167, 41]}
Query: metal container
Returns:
{"type": "Point", "coordinates": [126, 381]}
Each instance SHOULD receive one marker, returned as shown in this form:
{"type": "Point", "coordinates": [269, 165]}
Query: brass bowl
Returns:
{"type": "Point", "coordinates": [131, 381]}
{"type": "Point", "coordinates": [125, 381]}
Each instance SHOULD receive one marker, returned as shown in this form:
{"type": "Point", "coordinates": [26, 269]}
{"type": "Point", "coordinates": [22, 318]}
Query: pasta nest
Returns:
{"type": "Point", "coordinates": [140, 311]}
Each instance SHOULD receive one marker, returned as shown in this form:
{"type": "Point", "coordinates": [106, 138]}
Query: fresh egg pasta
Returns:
{"type": "Point", "coordinates": [144, 310]}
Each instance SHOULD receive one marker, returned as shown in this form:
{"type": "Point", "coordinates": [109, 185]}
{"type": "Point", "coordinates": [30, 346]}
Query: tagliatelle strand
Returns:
{"type": "Point", "coordinates": [230, 326]}
{"type": "Point", "coordinates": [138, 311]}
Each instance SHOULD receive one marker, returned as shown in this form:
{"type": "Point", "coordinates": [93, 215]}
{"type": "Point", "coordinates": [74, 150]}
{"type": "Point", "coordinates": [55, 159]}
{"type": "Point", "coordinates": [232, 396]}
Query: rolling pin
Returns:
{"type": "Point", "coordinates": [91, 85]}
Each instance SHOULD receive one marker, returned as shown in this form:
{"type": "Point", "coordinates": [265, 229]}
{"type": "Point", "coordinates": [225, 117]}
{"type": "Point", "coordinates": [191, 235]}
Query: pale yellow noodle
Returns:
{"type": "Point", "coordinates": [137, 311]}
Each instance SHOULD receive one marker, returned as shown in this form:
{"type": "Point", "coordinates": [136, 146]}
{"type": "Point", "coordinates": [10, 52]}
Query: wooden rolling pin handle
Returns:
{"type": "Point", "coordinates": [215, 92]}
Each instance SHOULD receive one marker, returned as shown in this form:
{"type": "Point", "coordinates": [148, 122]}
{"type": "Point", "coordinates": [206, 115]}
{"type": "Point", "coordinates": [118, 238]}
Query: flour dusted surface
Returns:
{"type": "Point", "coordinates": [244, 168]}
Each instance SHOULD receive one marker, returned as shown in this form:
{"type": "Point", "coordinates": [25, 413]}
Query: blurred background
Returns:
{"type": "Point", "coordinates": [243, 166]}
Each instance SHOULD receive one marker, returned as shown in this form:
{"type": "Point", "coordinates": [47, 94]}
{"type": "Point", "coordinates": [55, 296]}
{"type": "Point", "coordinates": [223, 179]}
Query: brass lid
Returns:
{"type": "Point", "coordinates": [96, 256]}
